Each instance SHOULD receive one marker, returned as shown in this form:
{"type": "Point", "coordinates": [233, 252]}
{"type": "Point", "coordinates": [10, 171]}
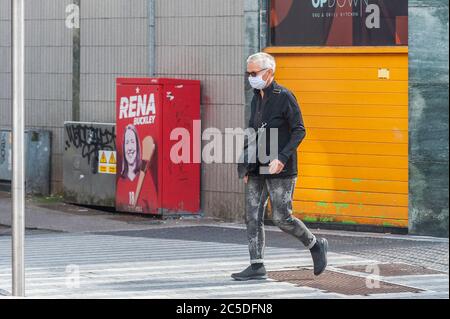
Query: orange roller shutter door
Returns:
{"type": "Point", "coordinates": [353, 163]}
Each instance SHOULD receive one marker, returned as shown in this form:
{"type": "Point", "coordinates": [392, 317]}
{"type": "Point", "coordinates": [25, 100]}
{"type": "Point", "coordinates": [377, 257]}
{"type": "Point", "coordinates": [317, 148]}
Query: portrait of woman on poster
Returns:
{"type": "Point", "coordinates": [131, 161]}
{"type": "Point", "coordinates": [136, 180]}
{"type": "Point", "coordinates": [130, 167]}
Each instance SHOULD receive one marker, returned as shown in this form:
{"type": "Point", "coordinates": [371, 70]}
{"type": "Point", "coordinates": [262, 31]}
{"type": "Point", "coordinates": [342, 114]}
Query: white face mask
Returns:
{"type": "Point", "coordinates": [257, 82]}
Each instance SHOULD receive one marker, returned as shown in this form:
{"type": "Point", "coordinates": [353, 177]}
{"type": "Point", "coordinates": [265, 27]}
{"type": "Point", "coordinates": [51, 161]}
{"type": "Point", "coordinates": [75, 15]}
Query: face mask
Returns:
{"type": "Point", "coordinates": [257, 82]}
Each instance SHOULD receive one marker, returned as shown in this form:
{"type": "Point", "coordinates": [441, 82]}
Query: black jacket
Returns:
{"type": "Point", "coordinates": [279, 109]}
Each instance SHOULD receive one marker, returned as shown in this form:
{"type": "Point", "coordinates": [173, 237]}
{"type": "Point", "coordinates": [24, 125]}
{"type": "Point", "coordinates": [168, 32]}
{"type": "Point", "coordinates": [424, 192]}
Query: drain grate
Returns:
{"type": "Point", "coordinates": [392, 269]}
{"type": "Point", "coordinates": [335, 282]}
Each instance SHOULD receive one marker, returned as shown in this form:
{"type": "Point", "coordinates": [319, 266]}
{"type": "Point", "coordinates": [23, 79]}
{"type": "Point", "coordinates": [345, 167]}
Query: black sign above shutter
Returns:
{"type": "Point", "coordinates": [339, 22]}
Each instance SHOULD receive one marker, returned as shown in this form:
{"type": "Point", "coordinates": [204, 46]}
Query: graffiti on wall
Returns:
{"type": "Point", "coordinates": [89, 140]}
{"type": "Point", "coordinates": [3, 150]}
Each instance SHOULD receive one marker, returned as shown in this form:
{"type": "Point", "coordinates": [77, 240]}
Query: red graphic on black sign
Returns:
{"type": "Point", "coordinates": [339, 22]}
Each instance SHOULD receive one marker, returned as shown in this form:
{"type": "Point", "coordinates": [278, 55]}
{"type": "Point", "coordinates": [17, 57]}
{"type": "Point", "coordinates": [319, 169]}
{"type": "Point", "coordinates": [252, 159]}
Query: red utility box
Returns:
{"type": "Point", "coordinates": [155, 118]}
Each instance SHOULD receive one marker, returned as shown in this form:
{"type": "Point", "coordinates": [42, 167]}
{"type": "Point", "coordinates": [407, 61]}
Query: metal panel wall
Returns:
{"type": "Point", "coordinates": [204, 40]}
{"type": "Point", "coordinates": [113, 44]}
{"type": "Point", "coordinates": [48, 72]}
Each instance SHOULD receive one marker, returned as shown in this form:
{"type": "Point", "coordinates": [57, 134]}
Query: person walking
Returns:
{"type": "Point", "coordinates": [274, 107]}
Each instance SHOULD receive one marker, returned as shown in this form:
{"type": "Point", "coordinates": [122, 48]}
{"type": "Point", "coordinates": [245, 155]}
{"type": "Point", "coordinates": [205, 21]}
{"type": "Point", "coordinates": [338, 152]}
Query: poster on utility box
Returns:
{"type": "Point", "coordinates": [138, 136]}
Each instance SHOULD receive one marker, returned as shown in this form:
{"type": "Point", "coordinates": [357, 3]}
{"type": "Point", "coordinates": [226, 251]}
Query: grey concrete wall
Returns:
{"type": "Point", "coordinates": [204, 40]}
{"type": "Point", "coordinates": [48, 90]}
{"type": "Point", "coordinates": [429, 84]}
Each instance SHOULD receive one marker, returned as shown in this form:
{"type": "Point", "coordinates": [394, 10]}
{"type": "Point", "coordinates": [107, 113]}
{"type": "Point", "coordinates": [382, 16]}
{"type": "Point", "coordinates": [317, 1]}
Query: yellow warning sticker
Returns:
{"type": "Point", "coordinates": [107, 163]}
{"type": "Point", "coordinates": [112, 159]}
{"type": "Point", "coordinates": [103, 158]}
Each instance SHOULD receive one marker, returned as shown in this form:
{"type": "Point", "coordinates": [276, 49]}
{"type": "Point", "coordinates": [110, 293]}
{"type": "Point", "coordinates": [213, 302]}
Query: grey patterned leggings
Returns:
{"type": "Point", "coordinates": [281, 192]}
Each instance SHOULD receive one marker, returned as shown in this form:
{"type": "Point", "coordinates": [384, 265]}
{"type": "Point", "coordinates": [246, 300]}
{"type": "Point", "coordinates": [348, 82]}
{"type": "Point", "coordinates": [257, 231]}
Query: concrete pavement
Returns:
{"type": "Point", "coordinates": [53, 215]}
{"type": "Point", "coordinates": [74, 252]}
{"type": "Point", "coordinates": [108, 266]}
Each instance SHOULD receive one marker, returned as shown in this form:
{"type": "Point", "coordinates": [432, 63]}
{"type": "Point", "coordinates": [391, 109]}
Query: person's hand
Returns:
{"type": "Point", "coordinates": [275, 167]}
{"type": "Point", "coordinates": [246, 179]}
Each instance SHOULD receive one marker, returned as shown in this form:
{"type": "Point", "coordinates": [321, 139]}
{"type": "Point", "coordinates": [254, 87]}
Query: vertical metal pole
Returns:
{"type": "Point", "coordinates": [260, 22]}
{"type": "Point", "coordinates": [151, 38]}
{"type": "Point", "coordinates": [76, 68]}
{"type": "Point", "coordinates": [264, 10]}
{"type": "Point", "coordinates": [18, 155]}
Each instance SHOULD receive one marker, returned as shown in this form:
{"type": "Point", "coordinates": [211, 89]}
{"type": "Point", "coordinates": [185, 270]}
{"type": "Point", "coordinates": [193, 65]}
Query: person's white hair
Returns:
{"type": "Point", "coordinates": [263, 60]}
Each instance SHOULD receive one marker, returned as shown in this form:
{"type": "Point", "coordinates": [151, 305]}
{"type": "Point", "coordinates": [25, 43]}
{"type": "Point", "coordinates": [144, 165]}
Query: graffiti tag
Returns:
{"type": "Point", "coordinates": [90, 139]}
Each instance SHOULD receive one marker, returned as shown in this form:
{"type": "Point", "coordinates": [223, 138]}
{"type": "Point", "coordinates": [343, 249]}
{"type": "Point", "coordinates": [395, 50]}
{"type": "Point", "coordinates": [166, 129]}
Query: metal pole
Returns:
{"type": "Point", "coordinates": [151, 38]}
{"type": "Point", "coordinates": [18, 154]}
{"type": "Point", "coordinates": [76, 71]}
